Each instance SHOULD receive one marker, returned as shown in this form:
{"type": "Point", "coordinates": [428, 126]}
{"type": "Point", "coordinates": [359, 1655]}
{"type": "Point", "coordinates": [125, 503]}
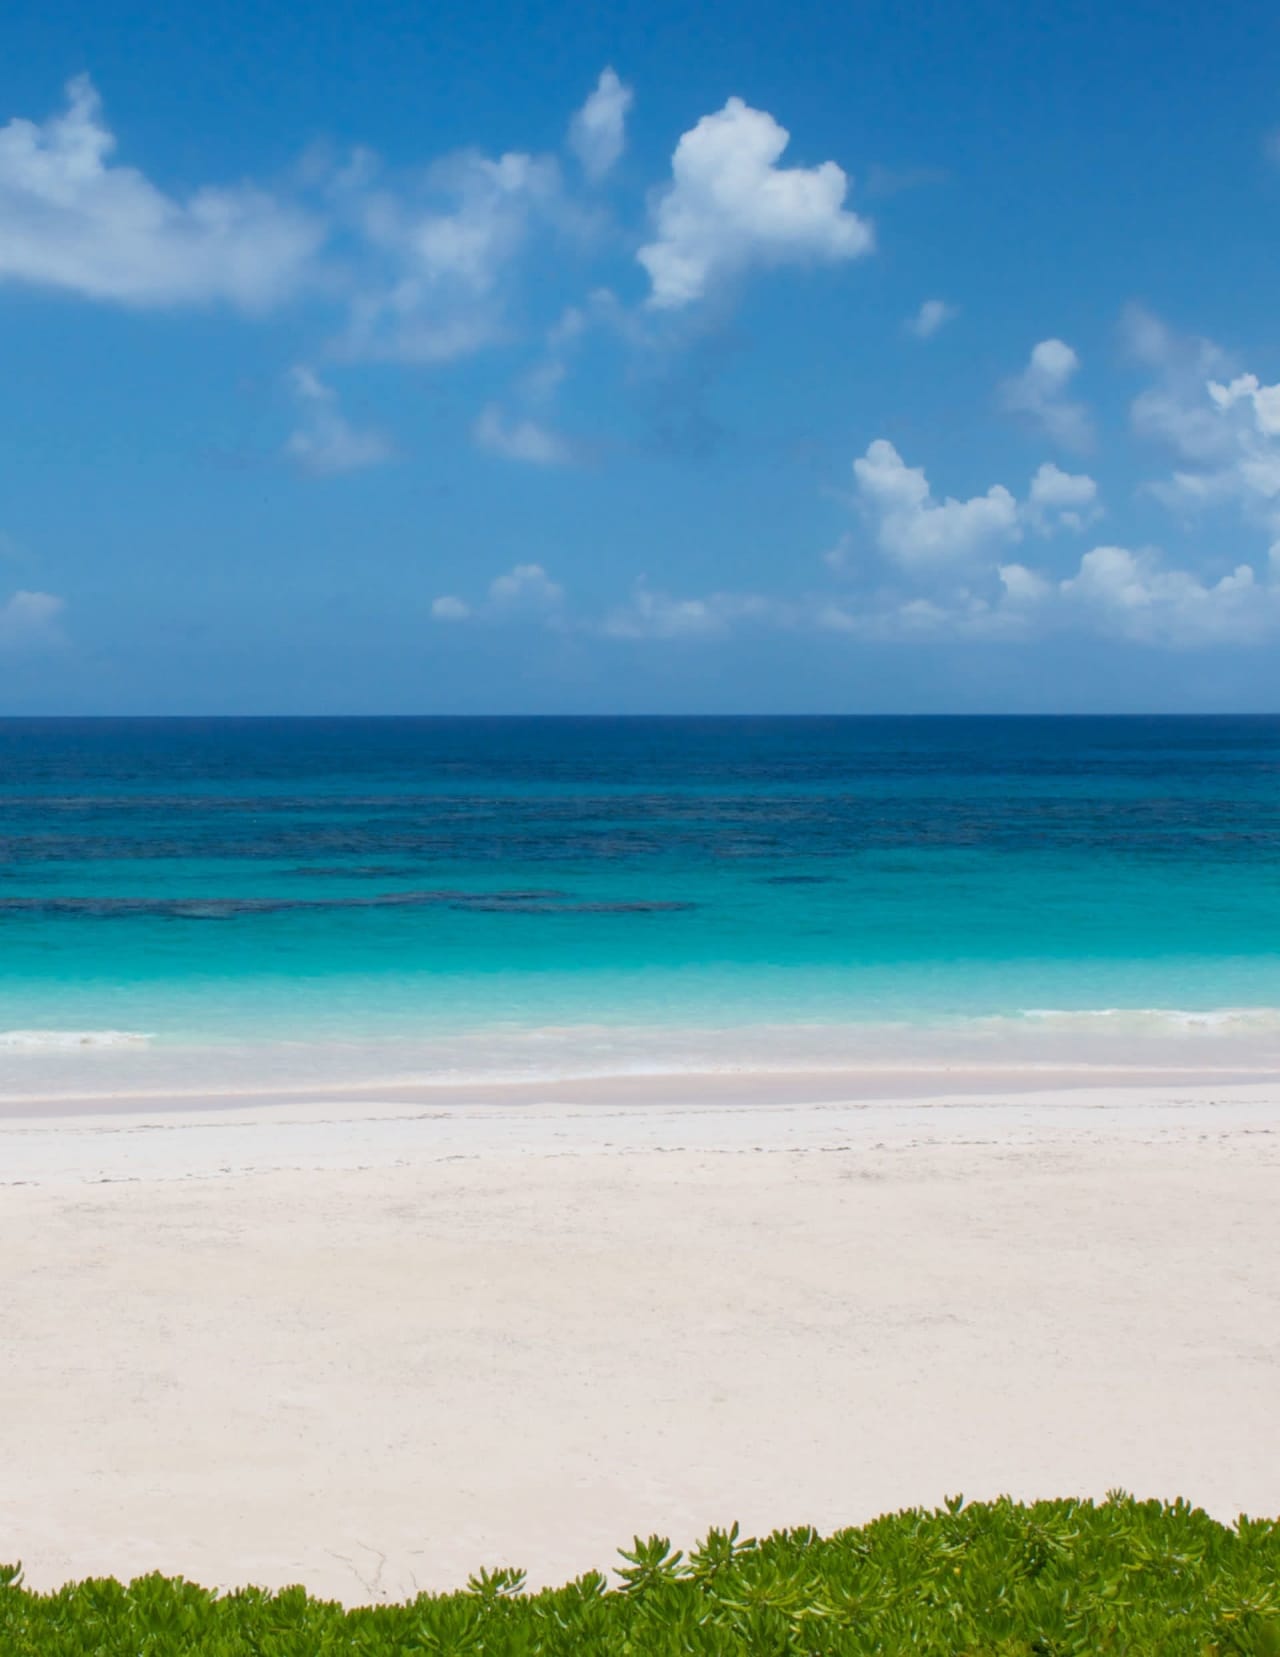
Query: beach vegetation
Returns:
{"type": "Point", "coordinates": [1003, 1579]}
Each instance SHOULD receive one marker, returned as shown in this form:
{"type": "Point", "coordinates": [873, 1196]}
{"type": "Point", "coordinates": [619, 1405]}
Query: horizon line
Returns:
{"type": "Point", "coordinates": [614, 718]}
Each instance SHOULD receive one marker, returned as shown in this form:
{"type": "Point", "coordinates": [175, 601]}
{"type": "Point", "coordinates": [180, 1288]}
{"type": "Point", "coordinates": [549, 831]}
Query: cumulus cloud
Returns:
{"type": "Point", "coordinates": [1133, 595]}
{"type": "Point", "coordinates": [941, 569]}
{"type": "Point", "coordinates": [1022, 586]}
{"type": "Point", "coordinates": [597, 132]}
{"type": "Point", "coordinates": [520, 439]}
{"type": "Point", "coordinates": [1136, 595]}
{"type": "Point", "coordinates": [426, 266]}
{"type": "Point", "coordinates": [1245, 389]}
{"type": "Point", "coordinates": [951, 576]}
{"type": "Point", "coordinates": [71, 219]}
{"type": "Point", "coordinates": [915, 530]}
{"type": "Point", "coordinates": [1221, 426]}
{"type": "Point", "coordinates": [730, 206]}
{"type": "Point", "coordinates": [932, 315]}
{"type": "Point", "coordinates": [449, 608]}
{"type": "Point", "coordinates": [325, 442]}
{"type": "Point", "coordinates": [30, 621]}
{"type": "Point", "coordinates": [1061, 500]}
{"type": "Point", "coordinates": [1038, 394]}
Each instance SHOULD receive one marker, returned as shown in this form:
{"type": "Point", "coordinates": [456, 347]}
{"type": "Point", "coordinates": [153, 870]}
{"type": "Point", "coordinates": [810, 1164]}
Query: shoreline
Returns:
{"type": "Point", "coordinates": [141, 1138]}
{"type": "Point", "coordinates": [71, 1089]}
{"type": "Point", "coordinates": [45, 1074]}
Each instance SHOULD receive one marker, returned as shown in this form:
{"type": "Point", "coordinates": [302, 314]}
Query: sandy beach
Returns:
{"type": "Point", "coordinates": [370, 1345]}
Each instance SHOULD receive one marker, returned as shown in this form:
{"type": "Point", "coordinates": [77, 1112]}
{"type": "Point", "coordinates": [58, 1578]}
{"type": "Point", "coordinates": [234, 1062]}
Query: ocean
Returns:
{"type": "Point", "coordinates": [290, 899]}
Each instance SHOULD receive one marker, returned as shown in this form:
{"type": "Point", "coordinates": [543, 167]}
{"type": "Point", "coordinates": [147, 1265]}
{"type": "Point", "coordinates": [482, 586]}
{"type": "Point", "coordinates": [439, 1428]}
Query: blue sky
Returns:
{"type": "Point", "coordinates": [467, 359]}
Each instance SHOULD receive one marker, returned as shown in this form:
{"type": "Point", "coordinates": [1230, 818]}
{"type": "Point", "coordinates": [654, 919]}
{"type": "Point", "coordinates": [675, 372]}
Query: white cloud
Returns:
{"type": "Point", "coordinates": [520, 439]}
{"type": "Point", "coordinates": [527, 586]}
{"type": "Point", "coordinates": [658, 615]}
{"type": "Point", "coordinates": [30, 621]}
{"type": "Point", "coordinates": [1022, 585]}
{"type": "Point", "coordinates": [70, 219]}
{"type": "Point", "coordinates": [917, 532]}
{"type": "Point", "coordinates": [1137, 596]}
{"type": "Point", "coordinates": [730, 207]}
{"type": "Point", "coordinates": [1038, 394]}
{"type": "Point", "coordinates": [960, 585]}
{"type": "Point", "coordinates": [1176, 411]}
{"type": "Point", "coordinates": [932, 315]}
{"type": "Point", "coordinates": [597, 132]}
{"type": "Point", "coordinates": [325, 442]}
{"type": "Point", "coordinates": [471, 243]}
{"type": "Point", "coordinates": [890, 618]}
{"type": "Point", "coordinates": [1061, 500]}
{"type": "Point", "coordinates": [447, 249]}
{"type": "Point", "coordinates": [1222, 426]}
{"type": "Point", "coordinates": [943, 542]}
{"type": "Point", "coordinates": [524, 590]}
{"type": "Point", "coordinates": [1245, 388]}
{"type": "Point", "coordinates": [1115, 591]}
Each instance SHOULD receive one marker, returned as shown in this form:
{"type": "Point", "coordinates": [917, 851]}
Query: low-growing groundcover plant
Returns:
{"type": "Point", "coordinates": [1042, 1580]}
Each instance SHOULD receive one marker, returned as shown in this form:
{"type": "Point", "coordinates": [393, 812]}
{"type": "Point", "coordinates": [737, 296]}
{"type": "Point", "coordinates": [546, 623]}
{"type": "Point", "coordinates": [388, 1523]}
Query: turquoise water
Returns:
{"type": "Point", "coordinates": [362, 881]}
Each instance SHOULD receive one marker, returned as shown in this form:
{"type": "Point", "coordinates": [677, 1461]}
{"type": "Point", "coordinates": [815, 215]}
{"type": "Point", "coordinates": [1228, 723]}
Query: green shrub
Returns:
{"type": "Point", "coordinates": [999, 1578]}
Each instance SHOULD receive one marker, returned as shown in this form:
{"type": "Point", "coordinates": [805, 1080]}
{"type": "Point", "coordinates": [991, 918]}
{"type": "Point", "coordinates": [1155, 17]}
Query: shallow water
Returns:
{"type": "Point", "coordinates": [510, 896]}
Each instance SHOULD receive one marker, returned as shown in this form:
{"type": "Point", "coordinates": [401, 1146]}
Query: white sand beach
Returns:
{"type": "Point", "coordinates": [372, 1345]}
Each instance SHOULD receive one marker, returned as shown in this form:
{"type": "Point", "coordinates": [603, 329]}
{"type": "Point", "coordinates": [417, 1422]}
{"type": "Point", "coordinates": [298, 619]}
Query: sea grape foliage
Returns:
{"type": "Point", "coordinates": [1045, 1580]}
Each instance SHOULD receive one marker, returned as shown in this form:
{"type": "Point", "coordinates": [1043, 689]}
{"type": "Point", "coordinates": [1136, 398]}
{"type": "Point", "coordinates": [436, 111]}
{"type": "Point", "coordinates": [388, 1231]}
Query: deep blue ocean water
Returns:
{"type": "Point", "coordinates": [363, 879]}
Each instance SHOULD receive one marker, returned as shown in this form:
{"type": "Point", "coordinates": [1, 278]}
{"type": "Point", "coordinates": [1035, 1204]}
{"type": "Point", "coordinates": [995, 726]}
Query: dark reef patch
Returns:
{"type": "Point", "coordinates": [519, 902]}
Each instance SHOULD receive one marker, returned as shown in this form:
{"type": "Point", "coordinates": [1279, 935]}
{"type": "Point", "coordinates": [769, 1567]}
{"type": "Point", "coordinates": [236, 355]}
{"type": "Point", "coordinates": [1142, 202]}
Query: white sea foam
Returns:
{"type": "Point", "coordinates": [1222, 1020]}
{"type": "Point", "coordinates": [1117, 1041]}
{"type": "Point", "coordinates": [61, 1041]}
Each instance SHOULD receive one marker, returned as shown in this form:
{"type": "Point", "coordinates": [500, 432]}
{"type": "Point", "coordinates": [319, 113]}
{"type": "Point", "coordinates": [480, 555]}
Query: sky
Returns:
{"type": "Point", "coordinates": [481, 359]}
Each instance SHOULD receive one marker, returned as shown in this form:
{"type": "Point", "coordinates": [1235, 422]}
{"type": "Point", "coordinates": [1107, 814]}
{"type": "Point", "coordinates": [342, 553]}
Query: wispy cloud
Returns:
{"type": "Point", "coordinates": [439, 255]}
{"type": "Point", "coordinates": [657, 615]}
{"type": "Point", "coordinates": [932, 315]}
{"type": "Point", "coordinates": [524, 592]}
{"type": "Point", "coordinates": [520, 438]}
{"type": "Point", "coordinates": [324, 441]}
{"type": "Point", "coordinates": [598, 132]}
